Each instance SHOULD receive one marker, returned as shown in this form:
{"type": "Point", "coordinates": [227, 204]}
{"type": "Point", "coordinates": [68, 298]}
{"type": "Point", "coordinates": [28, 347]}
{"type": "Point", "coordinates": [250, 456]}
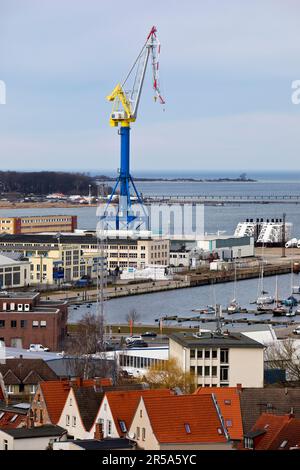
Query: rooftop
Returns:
{"type": "Point", "coordinates": [230, 340]}
{"type": "Point", "coordinates": [184, 419]}
{"type": "Point", "coordinates": [228, 399]}
{"type": "Point", "coordinates": [105, 444]}
{"type": "Point", "coordinates": [48, 430]}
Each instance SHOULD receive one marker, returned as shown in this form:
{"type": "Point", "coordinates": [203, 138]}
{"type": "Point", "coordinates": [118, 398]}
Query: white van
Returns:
{"type": "Point", "coordinates": [37, 348]}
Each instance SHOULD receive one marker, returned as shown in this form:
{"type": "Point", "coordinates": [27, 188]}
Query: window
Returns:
{"type": "Point", "coordinates": [5, 444]}
{"type": "Point", "coordinates": [23, 323]}
{"type": "Point", "coordinates": [43, 323]}
{"type": "Point", "coordinates": [70, 402]}
{"type": "Point", "coordinates": [67, 420]}
{"type": "Point", "coordinates": [214, 353]}
{"type": "Point", "coordinates": [13, 324]}
{"type": "Point", "coordinates": [1, 414]}
{"type": "Point", "coordinates": [248, 443]}
{"type": "Point", "coordinates": [137, 433]}
{"type": "Point", "coordinates": [143, 434]}
{"type": "Point", "coordinates": [74, 421]}
{"type": "Point", "coordinates": [214, 371]}
{"type": "Point", "coordinates": [32, 389]}
{"type": "Point", "coordinates": [207, 371]}
{"type": "Point", "coordinates": [187, 428]}
{"type": "Point", "coordinates": [224, 356]}
{"type": "Point", "coordinates": [2, 323]}
{"type": "Point", "coordinates": [141, 413]}
{"type": "Point", "coordinates": [192, 370]}
{"type": "Point", "coordinates": [228, 423]}
{"type": "Point", "coordinates": [108, 427]}
{"type": "Point", "coordinates": [224, 373]}
{"type": "Point", "coordinates": [283, 444]}
{"type": "Point", "coordinates": [200, 353]}
{"type": "Point", "coordinates": [41, 417]}
{"type": "Point", "coordinates": [199, 371]}
{"type": "Point", "coordinates": [13, 419]}
{"type": "Point", "coordinates": [207, 353]}
{"type": "Point", "coordinates": [227, 402]}
{"type": "Point", "coordinates": [35, 324]}
{"type": "Point", "coordinates": [123, 426]}
{"type": "Point", "coordinates": [192, 354]}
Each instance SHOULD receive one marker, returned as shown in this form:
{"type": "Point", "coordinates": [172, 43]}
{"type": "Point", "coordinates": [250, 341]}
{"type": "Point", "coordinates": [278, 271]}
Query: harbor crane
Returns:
{"type": "Point", "coordinates": [126, 98]}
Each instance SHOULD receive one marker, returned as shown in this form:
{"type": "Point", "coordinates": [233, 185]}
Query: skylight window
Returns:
{"type": "Point", "coordinates": [187, 428]}
{"type": "Point", "coordinates": [13, 419]}
{"type": "Point", "coordinates": [227, 402]}
{"type": "Point", "coordinates": [229, 423]}
{"type": "Point", "coordinates": [123, 426]}
{"type": "Point", "coordinates": [1, 414]}
{"type": "Point", "coordinates": [283, 444]}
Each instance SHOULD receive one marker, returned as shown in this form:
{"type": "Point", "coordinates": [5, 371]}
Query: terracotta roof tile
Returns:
{"type": "Point", "coordinates": [228, 399]}
{"type": "Point", "coordinates": [123, 404]}
{"type": "Point", "coordinates": [169, 415]}
{"type": "Point", "coordinates": [55, 393]}
{"type": "Point", "coordinates": [12, 420]}
{"type": "Point", "coordinates": [270, 425]}
{"type": "Point", "coordinates": [288, 437]}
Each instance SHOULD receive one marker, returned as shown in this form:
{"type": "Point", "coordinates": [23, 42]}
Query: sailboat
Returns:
{"type": "Point", "coordinates": [263, 298]}
{"type": "Point", "coordinates": [234, 306]}
{"type": "Point", "coordinates": [279, 310]}
{"type": "Point", "coordinates": [291, 301]}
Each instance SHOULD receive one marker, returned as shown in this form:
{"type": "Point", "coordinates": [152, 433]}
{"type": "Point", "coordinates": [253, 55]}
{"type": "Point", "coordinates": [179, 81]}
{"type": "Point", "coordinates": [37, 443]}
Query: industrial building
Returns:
{"type": "Point", "coordinates": [56, 258]}
{"type": "Point", "coordinates": [26, 319]}
{"type": "Point", "coordinates": [227, 247]}
{"type": "Point", "coordinates": [13, 273]}
{"type": "Point", "coordinates": [38, 223]}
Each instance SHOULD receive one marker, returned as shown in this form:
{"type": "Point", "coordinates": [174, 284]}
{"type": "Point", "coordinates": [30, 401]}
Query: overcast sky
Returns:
{"type": "Point", "coordinates": [226, 72]}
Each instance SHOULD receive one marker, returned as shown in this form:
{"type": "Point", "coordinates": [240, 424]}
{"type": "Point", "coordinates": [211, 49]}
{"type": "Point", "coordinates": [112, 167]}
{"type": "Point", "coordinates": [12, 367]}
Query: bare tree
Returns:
{"type": "Point", "coordinates": [285, 354]}
{"type": "Point", "coordinates": [132, 316]}
{"type": "Point", "coordinates": [89, 340]}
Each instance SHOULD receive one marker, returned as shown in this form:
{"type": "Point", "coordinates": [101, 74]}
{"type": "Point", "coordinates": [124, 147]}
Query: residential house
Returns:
{"type": "Point", "coordinates": [228, 400]}
{"type": "Point", "coordinates": [21, 376]}
{"type": "Point", "coordinates": [274, 432]}
{"type": "Point", "coordinates": [118, 408]}
{"type": "Point", "coordinates": [79, 412]}
{"type": "Point", "coordinates": [271, 400]}
{"type": "Point", "coordinates": [51, 396]}
{"type": "Point", "coordinates": [39, 438]}
{"type": "Point", "coordinates": [219, 359]}
{"type": "Point", "coordinates": [180, 422]}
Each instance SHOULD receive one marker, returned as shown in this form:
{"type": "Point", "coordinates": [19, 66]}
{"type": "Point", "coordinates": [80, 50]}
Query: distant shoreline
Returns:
{"type": "Point", "coordinates": [185, 180]}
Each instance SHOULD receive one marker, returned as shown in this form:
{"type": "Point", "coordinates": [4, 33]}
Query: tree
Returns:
{"type": "Point", "coordinates": [170, 375]}
{"type": "Point", "coordinates": [89, 340]}
{"type": "Point", "coordinates": [285, 354]}
{"type": "Point", "coordinates": [132, 317]}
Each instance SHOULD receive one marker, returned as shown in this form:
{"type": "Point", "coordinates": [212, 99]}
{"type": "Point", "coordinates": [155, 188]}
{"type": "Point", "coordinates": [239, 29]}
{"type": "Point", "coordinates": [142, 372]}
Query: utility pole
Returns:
{"type": "Point", "coordinates": [283, 235]}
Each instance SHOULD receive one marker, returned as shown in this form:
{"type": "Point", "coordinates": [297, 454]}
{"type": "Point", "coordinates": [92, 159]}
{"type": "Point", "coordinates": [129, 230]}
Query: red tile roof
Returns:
{"type": "Point", "coordinates": [55, 393]}
{"type": "Point", "coordinates": [278, 432]}
{"type": "Point", "coordinates": [170, 415]}
{"type": "Point", "coordinates": [123, 404]}
{"type": "Point", "coordinates": [228, 399]}
{"type": "Point", "coordinates": [12, 420]}
{"type": "Point", "coordinates": [270, 425]}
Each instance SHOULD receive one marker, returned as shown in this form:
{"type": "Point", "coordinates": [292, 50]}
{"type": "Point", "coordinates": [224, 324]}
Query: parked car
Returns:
{"type": "Point", "coordinates": [137, 344]}
{"type": "Point", "coordinates": [37, 348]}
{"type": "Point", "coordinates": [129, 339]}
{"type": "Point", "coordinates": [149, 334]}
{"type": "Point", "coordinates": [296, 331]}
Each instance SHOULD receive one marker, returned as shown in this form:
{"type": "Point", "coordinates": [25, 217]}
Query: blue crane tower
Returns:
{"type": "Point", "coordinates": [124, 112]}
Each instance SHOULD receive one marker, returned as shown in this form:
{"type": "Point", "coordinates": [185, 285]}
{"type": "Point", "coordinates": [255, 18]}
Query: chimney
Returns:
{"type": "Point", "coordinates": [98, 434]}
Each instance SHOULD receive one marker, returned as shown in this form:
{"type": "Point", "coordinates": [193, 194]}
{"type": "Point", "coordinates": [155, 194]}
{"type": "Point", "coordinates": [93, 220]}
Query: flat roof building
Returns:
{"type": "Point", "coordinates": [219, 359]}
{"type": "Point", "coordinates": [38, 223]}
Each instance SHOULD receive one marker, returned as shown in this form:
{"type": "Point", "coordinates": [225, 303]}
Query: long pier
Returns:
{"type": "Point", "coordinates": [224, 199]}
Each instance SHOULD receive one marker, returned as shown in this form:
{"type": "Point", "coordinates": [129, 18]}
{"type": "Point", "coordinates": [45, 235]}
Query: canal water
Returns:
{"type": "Point", "coordinates": [181, 302]}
